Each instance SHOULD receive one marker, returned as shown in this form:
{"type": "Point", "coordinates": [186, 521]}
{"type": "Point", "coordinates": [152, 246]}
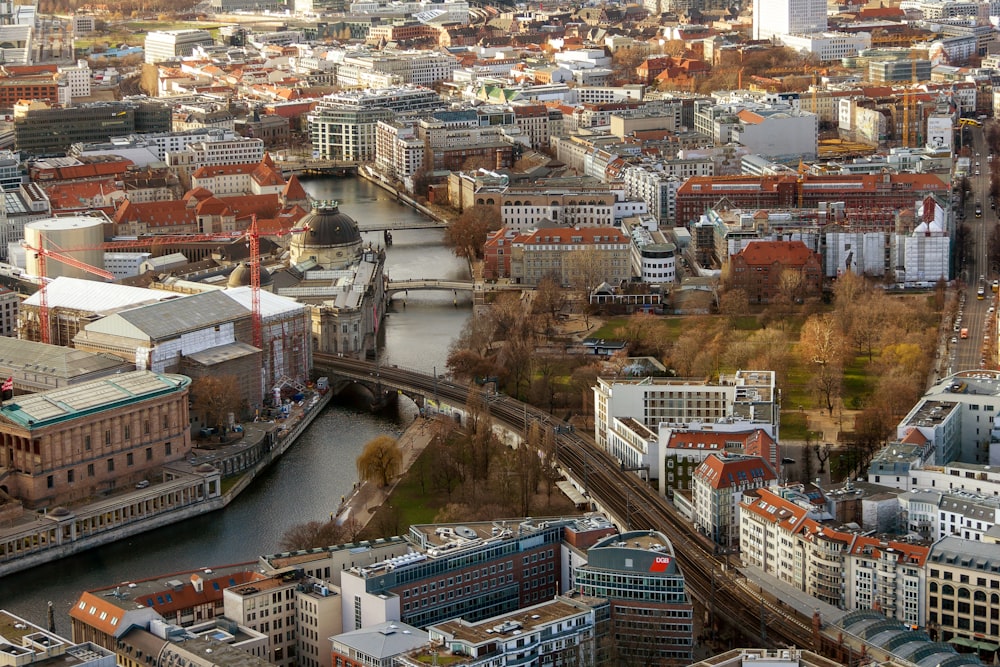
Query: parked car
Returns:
{"type": "Point", "coordinates": [143, 484]}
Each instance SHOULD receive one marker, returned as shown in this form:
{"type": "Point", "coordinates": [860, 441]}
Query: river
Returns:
{"type": "Point", "coordinates": [306, 484]}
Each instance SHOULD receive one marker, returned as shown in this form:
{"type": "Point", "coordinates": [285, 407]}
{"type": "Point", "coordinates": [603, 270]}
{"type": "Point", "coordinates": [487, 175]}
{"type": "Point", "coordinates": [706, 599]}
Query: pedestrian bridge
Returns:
{"type": "Point", "coordinates": [394, 287]}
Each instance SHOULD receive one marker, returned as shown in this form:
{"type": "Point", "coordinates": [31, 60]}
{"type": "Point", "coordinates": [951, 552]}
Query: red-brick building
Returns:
{"type": "Point", "coordinates": [758, 268]}
{"type": "Point", "coordinates": [899, 191]}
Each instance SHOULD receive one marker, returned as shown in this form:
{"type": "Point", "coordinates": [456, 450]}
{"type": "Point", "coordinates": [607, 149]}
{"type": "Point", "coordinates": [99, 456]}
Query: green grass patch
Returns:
{"type": "Point", "coordinates": [858, 382]}
{"type": "Point", "coordinates": [794, 425]}
{"type": "Point", "coordinates": [415, 505]}
{"type": "Point", "coordinates": [229, 482]}
{"type": "Point", "coordinates": [746, 323]}
{"type": "Point", "coordinates": [609, 328]}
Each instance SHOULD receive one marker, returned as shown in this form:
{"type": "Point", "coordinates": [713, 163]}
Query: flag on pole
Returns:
{"type": "Point", "coordinates": [7, 389]}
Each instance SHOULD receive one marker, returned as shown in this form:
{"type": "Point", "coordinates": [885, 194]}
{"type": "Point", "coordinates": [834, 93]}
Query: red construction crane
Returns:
{"type": "Point", "coordinates": [41, 253]}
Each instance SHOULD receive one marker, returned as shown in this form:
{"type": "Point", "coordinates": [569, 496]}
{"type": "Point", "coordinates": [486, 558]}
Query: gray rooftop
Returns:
{"type": "Point", "coordinates": [169, 319]}
{"type": "Point", "coordinates": [953, 550]}
{"type": "Point", "coordinates": [63, 362]}
{"type": "Point", "coordinates": [383, 640]}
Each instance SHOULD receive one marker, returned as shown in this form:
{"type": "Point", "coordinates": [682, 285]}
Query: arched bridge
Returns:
{"type": "Point", "coordinates": [395, 286]}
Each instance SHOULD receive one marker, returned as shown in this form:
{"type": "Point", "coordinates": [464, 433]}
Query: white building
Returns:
{"type": "Point", "coordinates": [829, 45]}
{"type": "Point", "coordinates": [214, 153]}
{"type": "Point", "coordinates": [783, 134]}
{"type": "Point", "coordinates": [77, 78]}
{"type": "Point", "coordinates": [653, 401]}
{"type": "Point", "coordinates": [171, 44]}
{"type": "Point", "coordinates": [125, 264]}
{"type": "Point", "coordinates": [775, 18]}
{"type": "Point", "coordinates": [399, 153]}
{"type": "Point", "coordinates": [718, 485]}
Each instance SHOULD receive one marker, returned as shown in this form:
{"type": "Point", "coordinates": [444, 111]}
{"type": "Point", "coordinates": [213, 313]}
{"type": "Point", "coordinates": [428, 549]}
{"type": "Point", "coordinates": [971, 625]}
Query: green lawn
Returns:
{"type": "Point", "coordinates": [793, 425]}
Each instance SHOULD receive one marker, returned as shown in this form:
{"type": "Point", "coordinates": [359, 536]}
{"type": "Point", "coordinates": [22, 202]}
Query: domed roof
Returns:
{"type": "Point", "coordinates": [326, 226]}
{"type": "Point", "coordinates": [240, 276]}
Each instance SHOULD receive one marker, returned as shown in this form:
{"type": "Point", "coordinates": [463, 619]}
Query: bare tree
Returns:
{"type": "Point", "coordinates": [822, 348]}
{"type": "Point", "coordinates": [311, 535]}
{"type": "Point", "coordinates": [216, 396]}
{"type": "Point", "coordinates": [822, 453]}
{"type": "Point", "coordinates": [467, 233]}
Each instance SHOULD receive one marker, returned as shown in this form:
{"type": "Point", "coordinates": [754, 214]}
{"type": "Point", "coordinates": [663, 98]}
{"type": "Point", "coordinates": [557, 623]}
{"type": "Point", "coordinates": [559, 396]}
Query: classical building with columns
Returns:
{"type": "Point", "coordinates": [89, 439]}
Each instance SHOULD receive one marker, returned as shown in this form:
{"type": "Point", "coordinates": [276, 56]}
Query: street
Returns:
{"type": "Point", "coordinates": [969, 353]}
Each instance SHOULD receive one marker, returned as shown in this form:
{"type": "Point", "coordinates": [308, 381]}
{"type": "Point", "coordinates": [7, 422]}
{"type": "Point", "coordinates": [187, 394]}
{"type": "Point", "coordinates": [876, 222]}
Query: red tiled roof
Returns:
{"type": "Point", "coordinates": [294, 190]}
{"type": "Point", "coordinates": [99, 613]}
{"type": "Point", "coordinates": [766, 253]}
{"type": "Point", "coordinates": [721, 471]}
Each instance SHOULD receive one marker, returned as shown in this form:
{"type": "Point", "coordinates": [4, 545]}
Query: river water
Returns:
{"type": "Point", "coordinates": [307, 483]}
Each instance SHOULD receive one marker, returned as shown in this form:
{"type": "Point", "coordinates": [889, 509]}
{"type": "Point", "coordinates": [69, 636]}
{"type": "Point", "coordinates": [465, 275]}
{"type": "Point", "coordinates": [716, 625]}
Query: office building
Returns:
{"type": "Point", "coordinates": [774, 18]}
{"type": "Point", "coordinates": [41, 129]}
{"type": "Point", "coordinates": [376, 645]}
{"type": "Point", "coordinates": [652, 615]}
{"type": "Point", "coordinates": [963, 602]}
{"type": "Point", "coordinates": [567, 630]}
{"type": "Point", "coordinates": [172, 44]}
{"type": "Point", "coordinates": [473, 570]}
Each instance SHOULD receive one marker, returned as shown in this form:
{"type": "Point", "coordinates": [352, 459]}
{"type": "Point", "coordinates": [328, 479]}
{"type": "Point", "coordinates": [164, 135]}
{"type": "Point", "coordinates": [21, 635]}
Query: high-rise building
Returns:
{"type": "Point", "coordinates": [651, 611]}
{"type": "Point", "coordinates": [773, 18]}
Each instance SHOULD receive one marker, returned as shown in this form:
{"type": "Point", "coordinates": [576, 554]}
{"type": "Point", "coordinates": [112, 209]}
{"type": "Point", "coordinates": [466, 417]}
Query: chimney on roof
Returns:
{"type": "Point", "coordinates": [198, 583]}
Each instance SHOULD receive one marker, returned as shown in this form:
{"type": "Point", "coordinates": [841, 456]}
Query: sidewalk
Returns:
{"type": "Point", "coordinates": [367, 497]}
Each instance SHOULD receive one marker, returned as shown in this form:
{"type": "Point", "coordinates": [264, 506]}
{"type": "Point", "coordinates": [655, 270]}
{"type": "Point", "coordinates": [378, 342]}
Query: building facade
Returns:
{"type": "Point", "coordinates": [651, 611]}
{"type": "Point", "coordinates": [90, 438]}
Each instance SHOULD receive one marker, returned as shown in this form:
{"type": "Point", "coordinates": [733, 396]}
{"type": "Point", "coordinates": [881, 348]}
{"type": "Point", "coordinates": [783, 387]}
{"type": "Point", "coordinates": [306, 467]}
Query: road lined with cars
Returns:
{"type": "Point", "coordinates": [972, 327]}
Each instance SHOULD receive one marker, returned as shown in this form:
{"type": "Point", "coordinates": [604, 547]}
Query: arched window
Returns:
{"type": "Point", "coordinates": [489, 202]}
{"type": "Point", "coordinates": [479, 202]}
{"type": "Point", "coordinates": [979, 596]}
{"type": "Point", "coordinates": [947, 589]}
{"type": "Point", "coordinates": [554, 203]}
{"type": "Point", "coordinates": [934, 587]}
{"type": "Point", "coordinates": [963, 593]}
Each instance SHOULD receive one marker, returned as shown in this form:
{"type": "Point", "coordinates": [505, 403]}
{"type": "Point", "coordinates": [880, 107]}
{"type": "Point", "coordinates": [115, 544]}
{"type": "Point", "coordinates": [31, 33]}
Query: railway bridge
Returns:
{"type": "Point", "coordinates": [760, 615]}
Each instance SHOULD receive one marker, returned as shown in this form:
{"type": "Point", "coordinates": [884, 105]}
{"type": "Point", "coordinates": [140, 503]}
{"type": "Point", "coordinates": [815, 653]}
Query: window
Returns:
{"type": "Point", "coordinates": [107, 437]}
{"type": "Point", "coordinates": [86, 442]}
{"type": "Point", "coordinates": [50, 481]}
{"type": "Point", "coordinates": [166, 449]}
{"type": "Point", "coordinates": [69, 476]}
{"type": "Point", "coordinates": [128, 431]}
{"type": "Point", "coordinates": [149, 453]}
{"type": "Point", "coordinates": [90, 470]}
{"type": "Point", "coordinates": [111, 465]}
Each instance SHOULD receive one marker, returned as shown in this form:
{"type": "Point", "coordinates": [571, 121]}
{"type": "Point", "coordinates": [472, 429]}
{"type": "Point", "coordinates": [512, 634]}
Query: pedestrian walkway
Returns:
{"type": "Point", "coordinates": [367, 497]}
{"type": "Point", "coordinates": [783, 594]}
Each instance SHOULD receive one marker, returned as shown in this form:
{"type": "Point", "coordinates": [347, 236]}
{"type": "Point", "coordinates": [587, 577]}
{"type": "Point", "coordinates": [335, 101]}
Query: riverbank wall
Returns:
{"type": "Point", "coordinates": [403, 198]}
{"type": "Point", "coordinates": [188, 491]}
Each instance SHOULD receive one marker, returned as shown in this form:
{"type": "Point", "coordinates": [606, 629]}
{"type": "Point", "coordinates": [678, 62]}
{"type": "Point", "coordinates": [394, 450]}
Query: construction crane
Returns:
{"type": "Point", "coordinates": [42, 254]}
{"type": "Point", "coordinates": [254, 238]}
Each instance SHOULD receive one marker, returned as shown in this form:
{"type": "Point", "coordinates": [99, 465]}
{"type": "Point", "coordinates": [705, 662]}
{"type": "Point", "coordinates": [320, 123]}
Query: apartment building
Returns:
{"type": "Point", "coordinates": [377, 645]}
{"type": "Point", "coordinates": [399, 153]}
{"type": "Point", "coordinates": [342, 132]}
{"type": "Point", "coordinates": [938, 514]}
{"type": "Point", "coordinates": [651, 611]}
{"type": "Point", "coordinates": [788, 537]}
{"type": "Point", "coordinates": [682, 450]}
{"type": "Point", "coordinates": [718, 486]}
{"type": "Point", "coordinates": [963, 593]}
{"type": "Point", "coordinates": [297, 613]}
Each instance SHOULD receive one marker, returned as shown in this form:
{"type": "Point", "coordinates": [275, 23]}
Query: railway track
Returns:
{"type": "Point", "coordinates": [627, 497]}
